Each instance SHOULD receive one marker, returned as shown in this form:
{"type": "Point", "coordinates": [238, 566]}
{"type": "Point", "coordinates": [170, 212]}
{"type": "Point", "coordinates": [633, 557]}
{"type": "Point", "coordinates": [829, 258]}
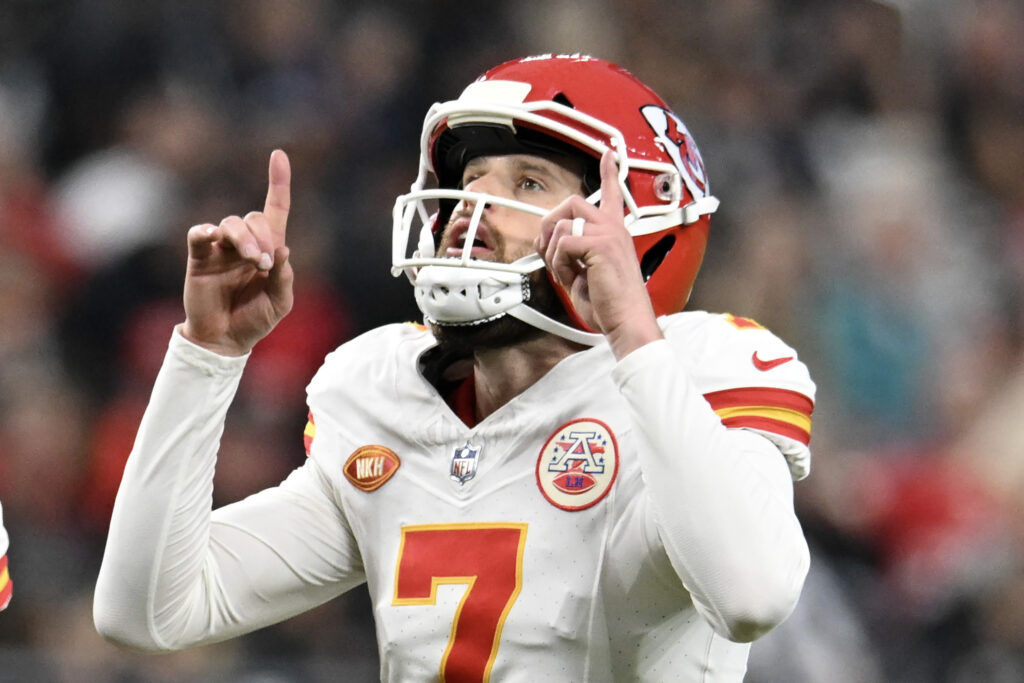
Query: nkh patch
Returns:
{"type": "Point", "coordinates": [464, 463]}
{"type": "Point", "coordinates": [369, 467]}
{"type": "Point", "coordinates": [578, 464]}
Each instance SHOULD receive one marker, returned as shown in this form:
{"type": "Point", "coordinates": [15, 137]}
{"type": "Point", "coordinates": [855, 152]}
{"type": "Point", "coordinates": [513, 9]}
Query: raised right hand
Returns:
{"type": "Point", "coordinates": [238, 283]}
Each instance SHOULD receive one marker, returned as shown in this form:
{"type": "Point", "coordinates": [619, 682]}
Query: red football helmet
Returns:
{"type": "Point", "coordinates": [555, 104]}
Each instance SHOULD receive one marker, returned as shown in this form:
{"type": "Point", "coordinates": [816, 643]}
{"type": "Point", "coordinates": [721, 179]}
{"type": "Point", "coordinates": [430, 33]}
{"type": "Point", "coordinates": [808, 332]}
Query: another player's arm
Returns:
{"type": "Point", "coordinates": [6, 585]}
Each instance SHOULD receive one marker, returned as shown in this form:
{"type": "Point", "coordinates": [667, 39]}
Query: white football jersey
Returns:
{"type": "Point", "coordinates": [617, 521]}
{"type": "Point", "coordinates": [523, 548]}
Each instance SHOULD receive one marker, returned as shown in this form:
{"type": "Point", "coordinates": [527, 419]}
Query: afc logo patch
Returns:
{"type": "Point", "coordinates": [578, 464]}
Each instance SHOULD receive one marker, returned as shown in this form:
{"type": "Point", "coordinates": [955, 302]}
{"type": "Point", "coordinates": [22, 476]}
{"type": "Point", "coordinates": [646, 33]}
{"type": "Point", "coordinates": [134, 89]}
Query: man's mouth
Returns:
{"type": "Point", "coordinates": [460, 231]}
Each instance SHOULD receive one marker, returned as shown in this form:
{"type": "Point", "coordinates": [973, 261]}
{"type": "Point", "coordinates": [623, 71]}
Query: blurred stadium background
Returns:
{"type": "Point", "coordinates": [870, 161]}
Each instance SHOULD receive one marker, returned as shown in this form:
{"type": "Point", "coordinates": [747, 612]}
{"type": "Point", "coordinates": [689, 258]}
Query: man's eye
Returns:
{"type": "Point", "coordinates": [530, 184]}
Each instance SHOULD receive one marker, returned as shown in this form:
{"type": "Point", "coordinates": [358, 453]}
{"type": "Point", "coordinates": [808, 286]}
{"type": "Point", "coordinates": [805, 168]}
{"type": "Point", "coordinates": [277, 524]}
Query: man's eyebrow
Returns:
{"type": "Point", "coordinates": [545, 167]}
{"type": "Point", "coordinates": [549, 168]}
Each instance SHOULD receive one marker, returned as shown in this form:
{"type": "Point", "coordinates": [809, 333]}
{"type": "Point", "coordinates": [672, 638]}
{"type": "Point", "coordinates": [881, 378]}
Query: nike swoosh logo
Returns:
{"type": "Point", "coordinates": [765, 365]}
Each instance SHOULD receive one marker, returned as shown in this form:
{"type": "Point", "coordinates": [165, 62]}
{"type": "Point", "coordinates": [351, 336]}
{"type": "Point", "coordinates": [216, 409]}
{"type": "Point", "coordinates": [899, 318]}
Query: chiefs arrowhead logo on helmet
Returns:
{"type": "Point", "coordinates": [677, 142]}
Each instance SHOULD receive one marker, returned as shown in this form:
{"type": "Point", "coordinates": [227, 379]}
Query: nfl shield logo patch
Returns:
{"type": "Point", "coordinates": [464, 462]}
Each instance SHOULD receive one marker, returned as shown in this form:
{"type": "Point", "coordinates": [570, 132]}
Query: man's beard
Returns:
{"type": "Point", "coordinates": [462, 340]}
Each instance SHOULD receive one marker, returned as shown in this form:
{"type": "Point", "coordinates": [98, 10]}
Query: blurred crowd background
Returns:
{"type": "Point", "coordinates": [870, 161]}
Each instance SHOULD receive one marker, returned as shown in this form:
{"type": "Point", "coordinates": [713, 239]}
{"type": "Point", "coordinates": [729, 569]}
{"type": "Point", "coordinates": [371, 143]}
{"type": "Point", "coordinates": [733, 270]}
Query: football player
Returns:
{"type": "Point", "coordinates": [6, 585]}
{"type": "Point", "coordinates": [584, 483]}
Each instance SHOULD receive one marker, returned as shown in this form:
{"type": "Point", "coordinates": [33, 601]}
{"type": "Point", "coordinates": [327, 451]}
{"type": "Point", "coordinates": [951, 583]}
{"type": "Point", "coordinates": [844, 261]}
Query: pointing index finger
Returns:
{"type": "Point", "coordinates": [611, 193]}
{"type": "Point", "coordinates": [279, 193]}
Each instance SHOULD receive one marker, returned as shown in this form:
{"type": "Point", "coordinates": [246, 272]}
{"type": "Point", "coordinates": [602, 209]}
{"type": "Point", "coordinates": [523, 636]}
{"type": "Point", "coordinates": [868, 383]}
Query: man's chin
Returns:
{"type": "Point", "coordinates": [463, 340]}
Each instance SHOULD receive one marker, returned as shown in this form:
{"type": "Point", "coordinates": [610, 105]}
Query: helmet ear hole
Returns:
{"type": "Point", "coordinates": [653, 257]}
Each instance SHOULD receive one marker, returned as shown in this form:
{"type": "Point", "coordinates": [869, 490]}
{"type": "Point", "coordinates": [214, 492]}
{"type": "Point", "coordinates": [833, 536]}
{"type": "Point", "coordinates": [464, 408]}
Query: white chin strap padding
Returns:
{"type": "Point", "coordinates": [533, 317]}
{"type": "Point", "coordinates": [466, 295]}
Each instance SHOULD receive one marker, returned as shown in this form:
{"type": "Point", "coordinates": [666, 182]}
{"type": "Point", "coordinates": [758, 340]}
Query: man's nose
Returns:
{"type": "Point", "coordinates": [484, 184]}
{"type": "Point", "coordinates": [487, 183]}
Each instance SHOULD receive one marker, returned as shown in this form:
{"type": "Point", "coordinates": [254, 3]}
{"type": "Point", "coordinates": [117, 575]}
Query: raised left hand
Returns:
{"type": "Point", "coordinates": [599, 268]}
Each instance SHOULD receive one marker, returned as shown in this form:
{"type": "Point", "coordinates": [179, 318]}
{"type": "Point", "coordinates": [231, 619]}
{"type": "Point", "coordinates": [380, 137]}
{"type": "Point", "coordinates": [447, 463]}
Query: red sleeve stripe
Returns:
{"type": "Point", "coordinates": [786, 429]}
{"type": "Point", "coordinates": [308, 433]}
{"type": "Point", "coordinates": [780, 411]}
{"type": "Point", "coordinates": [6, 585]}
{"type": "Point", "coordinates": [760, 396]}
{"type": "Point", "coordinates": [792, 417]}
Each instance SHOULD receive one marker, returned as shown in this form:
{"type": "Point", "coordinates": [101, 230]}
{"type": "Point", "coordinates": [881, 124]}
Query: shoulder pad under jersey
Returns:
{"type": "Point", "coordinates": [750, 377]}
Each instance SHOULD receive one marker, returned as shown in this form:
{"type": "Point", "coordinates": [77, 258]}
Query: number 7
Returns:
{"type": "Point", "coordinates": [488, 558]}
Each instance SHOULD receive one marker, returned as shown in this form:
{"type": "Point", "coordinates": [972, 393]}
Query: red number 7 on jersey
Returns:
{"type": "Point", "coordinates": [488, 559]}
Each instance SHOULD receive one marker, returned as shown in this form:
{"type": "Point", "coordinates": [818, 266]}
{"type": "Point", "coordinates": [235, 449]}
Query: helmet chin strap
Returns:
{"type": "Point", "coordinates": [532, 316]}
{"type": "Point", "coordinates": [454, 295]}
{"type": "Point", "coordinates": [459, 295]}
